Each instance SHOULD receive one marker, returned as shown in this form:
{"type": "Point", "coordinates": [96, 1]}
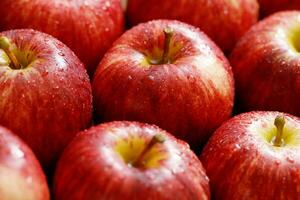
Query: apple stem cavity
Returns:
{"type": "Point", "coordinates": [6, 45]}
{"type": "Point", "coordinates": [156, 139]}
{"type": "Point", "coordinates": [168, 35]}
{"type": "Point", "coordinates": [279, 123]}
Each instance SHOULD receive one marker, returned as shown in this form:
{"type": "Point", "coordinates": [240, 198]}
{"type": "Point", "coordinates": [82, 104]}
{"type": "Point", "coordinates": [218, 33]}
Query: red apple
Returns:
{"type": "Point", "coordinates": [129, 161]}
{"type": "Point", "coordinates": [266, 65]}
{"type": "Point", "coordinates": [270, 6]}
{"type": "Point", "coordinates": [44, 90]}
{"type": "Point", "coordinates": [255, 156]}
{"type": "Point", "coordinates": [88, 27]}
{"type": "Point", "coordinates": [225, 21]}
{"type": "Point", "coordinates": [21, 176]}
{"type": "Point", "coordinates": [166, 73]}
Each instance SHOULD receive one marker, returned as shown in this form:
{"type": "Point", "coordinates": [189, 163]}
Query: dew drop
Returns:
{"type": "Point", "coordinates": [61, 54]}
{"type": "Point", "coordinates": [289, 159]}
{"type": "Point", "coordinates": [151, 77]}
{"type": "Point", "coordinates": [237, 146]}
{"type": "Point", "coordinates": [16, 152]}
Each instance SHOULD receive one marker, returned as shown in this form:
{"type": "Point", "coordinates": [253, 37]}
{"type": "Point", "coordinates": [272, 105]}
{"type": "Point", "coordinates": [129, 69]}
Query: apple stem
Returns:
{"type": "Point", "coordinates": [279, 123]}
{"type": "Point", "coordinates": [168, 35]}
{"type": "Point", "coordinates": [156, 139]}
{"type": "Point", "coordinates": [5, 44]}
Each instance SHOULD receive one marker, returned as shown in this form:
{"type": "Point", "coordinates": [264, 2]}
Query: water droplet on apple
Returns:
{"type": "Point", "coordinates": [130, 77]}
{"type": "Point", "coordinates": [61, 54]}
{"type": "Point", "coordinates": [290, 159]}
{"type": "Point", "coordinates": [16, 152]}
{"type": "Point", "coordinates": [59, 45]}
{"type": "Point", "coordinates": [237, 146]}
{"type": "Point", "coordinates": [45, 73]}
{"type": "Point", "coordinates": [151, 77]}
{"type": "Point", "coordinates": [277, 162]}
{"type": "Point", "coordinates": [107, 3]}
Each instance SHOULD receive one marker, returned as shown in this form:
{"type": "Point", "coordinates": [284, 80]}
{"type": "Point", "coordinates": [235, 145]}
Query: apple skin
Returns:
{"type": "Point", "coordinates": [224, 21]}
{"type": "Point", "coordinates": [189, 97]}
{"type": "Point", "coordinates": [241, 164]}
{"type": "Point", "coordinates": [50, 100]}
{"type": "Point", "coordinates": [266, 65]}
{"type": "Point", "coordinates": [21, 176]}
{"type": "Point", "coordinates": [88, 27]}
{"type": "Point", "coordinates": [91, 168]}
{"type": "Point", "coordinates": [268, 7]}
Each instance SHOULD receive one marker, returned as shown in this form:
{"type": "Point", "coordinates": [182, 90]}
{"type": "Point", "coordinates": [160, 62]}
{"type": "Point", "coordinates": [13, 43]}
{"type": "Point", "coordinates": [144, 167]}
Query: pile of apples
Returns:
{"type": "Point", "coordinates": [196, 100]}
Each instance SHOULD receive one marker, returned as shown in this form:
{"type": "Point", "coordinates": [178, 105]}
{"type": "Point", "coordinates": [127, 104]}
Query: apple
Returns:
{"type": "Point", "coordinates": [45, 92]}
{"type": "Point", "coordinates": [166, 73]}
{"type": "Point", "coordinates": [225, 21]}
{"type": "Point", "coordinates": [266, 65]}
{"type": "Point", "coordinates": [255, 156]}
{"type": "Point", "coordinates": [129, 161]}
{"type": "Point", "coordinates": [21, 176]}
{"type": "Point", "coordinates": [268, 7]}
{"type": "Point", "coordinates": [88, 27]}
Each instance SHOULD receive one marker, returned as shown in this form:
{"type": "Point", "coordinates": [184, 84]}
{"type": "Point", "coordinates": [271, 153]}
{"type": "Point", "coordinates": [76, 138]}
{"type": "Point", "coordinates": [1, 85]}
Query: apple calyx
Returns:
{"type": "Point", "coordinates": [279, 122]}
{"type": "Point", "coordinates": [156, 139]}
{"type": "Point", "coordinates": [6, 45]}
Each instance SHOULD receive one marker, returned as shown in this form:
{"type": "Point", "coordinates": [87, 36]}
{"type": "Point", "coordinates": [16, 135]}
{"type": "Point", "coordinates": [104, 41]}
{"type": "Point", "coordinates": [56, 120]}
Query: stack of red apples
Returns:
{"type": "Point", "coordinates": [149, 100]}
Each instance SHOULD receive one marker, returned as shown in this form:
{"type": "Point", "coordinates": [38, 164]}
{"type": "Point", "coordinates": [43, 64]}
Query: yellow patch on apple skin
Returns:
{"type": "Point", "coordinates": [145, 63]}
{"type": "Point", "coordinates": [154, 157]}
{"type": "Point", "coordinates": [4, 60]}
{"type": "Point", "coordinates": [293, 36]}
{"type": "Point", "coordinates": [267, 131]}
{"type": "Point", "coordinates": [15, 187]}
{"type": "Point", "coordinates": [25, 58]}
{"type": "Point", "coordinates": [131, 148]}
{"type": "Point", "coordinates": [235, 3]}
{"type": "Point", "coordinates": [154, 56]}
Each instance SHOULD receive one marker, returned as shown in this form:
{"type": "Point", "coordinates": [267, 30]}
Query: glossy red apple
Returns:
{"type": "Point", "coordinates": [129, 161]}
{"type": "Point", "coordinates": [45, 92]}
{"type": "Point", "coordinates": [88, 27]}
{"type": "Point", "coordinates": [21, 176]}
{"type": "Point", "coordinates": [166, 73]}
{"type": "Point", "coordinates": [255, 156]}
{"type": "Point", "coordinates": [271, 6]}
{"type": "Point", "coordinates": [266, 65]}
{"type": "Point", "coordinates": [225, 21]}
